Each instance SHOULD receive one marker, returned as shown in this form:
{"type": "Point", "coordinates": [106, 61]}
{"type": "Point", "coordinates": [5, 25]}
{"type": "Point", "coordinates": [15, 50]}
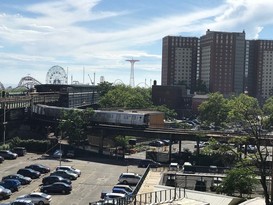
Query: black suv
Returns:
{"type": "Point", "coordinates": [52, 179]}
{"type": "Point", "coordinates": [20, 151]}
{"type": "Point", "coordinates": [29, 173]}
{"type": "Point", "coordinates": [146, 162]}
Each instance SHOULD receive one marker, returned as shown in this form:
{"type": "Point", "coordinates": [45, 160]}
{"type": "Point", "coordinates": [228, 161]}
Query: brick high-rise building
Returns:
{"type": "Point", "coordinates": [222, 61]}
{"type": "Point", "coordinates": [259, 55]}
{"type": "Point", "coordinates": [179, 61]}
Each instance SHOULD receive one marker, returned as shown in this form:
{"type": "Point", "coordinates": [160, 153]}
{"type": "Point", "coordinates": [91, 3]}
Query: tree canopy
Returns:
{"type": "Point", "coordinates": [239, 180]}
{"type": "Point", "coordinates": [121, 96]}
{"type": "Point", "coordinates": [127, 97]}
{"type": "Point", "coordinates": [214, 110]}
{"type": "Point", "coordinates": [244, 112]}
{"type": "Point", "coordinates": [73, 125]}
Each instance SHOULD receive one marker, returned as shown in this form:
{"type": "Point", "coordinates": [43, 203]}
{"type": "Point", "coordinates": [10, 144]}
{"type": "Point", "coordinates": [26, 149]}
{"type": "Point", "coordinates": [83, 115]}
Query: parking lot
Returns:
{"type": "Point", "coordinates": [97, 175]}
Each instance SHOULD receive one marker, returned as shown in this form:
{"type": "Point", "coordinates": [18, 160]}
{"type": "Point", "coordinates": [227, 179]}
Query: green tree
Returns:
{"type": "Point", "coordinates": [73, 125]}
{"type": "Point", "coordinates": [126, 97]}
{"type": "Point", "coordinates": [268, 112]}
{"type": "Point", "coordinates": [104, 88]}
{"type": "Point", "coordinates": [246, 111]}
{"type": "Point", "coordinates": [170, 114]}
{"type": "Point", "coordinates": [214, 110]}
{"type": "Point", "coordinates": [239, 179]}
{"type": "Point", "coordinates": [121, 141]}
{"type": "Point", "coordinates": [122, 96]}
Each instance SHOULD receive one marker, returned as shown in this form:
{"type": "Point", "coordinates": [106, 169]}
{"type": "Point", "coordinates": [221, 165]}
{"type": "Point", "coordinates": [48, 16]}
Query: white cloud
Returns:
{"type": "Point", "coordinates": [240, 15]}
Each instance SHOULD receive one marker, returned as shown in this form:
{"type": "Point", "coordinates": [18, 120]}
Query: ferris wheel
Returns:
{"type": "Point", "coordinates": [56, 75]}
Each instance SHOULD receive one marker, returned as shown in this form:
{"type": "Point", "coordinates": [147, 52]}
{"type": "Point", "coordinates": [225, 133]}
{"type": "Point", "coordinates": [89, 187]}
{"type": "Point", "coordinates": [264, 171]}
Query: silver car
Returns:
{"type": "Point", "coordinates": [22, 202]}
{"type": "Point", "coordinates": [70, 169]}
{"type": "Point", "coordinates": [37, 198]}
{"type": "Point", "coordinates": [4, 193]}
{"type": "Point", "coordinates": [129, 178]}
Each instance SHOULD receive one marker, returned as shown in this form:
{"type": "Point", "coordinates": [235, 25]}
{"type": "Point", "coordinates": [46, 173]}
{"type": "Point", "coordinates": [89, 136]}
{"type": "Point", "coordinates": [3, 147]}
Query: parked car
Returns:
{"type": "Point", "coordinates": [22, 202]}
{"type": "Point", "coordinates": [1, 159]}
{"type": "Point", "coordinates": [114, 196]}
{"type": "Point", "coordinates": [20, 151]}
{"type": "Point", "coordinates": [4, 193]}
{"type": "Point", "coordinates": [57, 187]}
{"type": "Point", "coordinates": [125, 187]}
{"type": "Point", "coordinates": [174, 166]}
{"type": "Point", "coordinates": [249, 148]}
{"type": "Point", "coordinates": [65, 174]}
{"type": "Point", "coordinates": [11, 184]}
{"type": "Point", "coordinates": [202, 144]}
{"type": "Point", "coordinates": [215, 183]}
{"type": "Point", "coordinates": [69, 168]}
{"type": "Point", "coordinates": [58, 154]}
{"type": "Point", "coordinates": [54, 178]}
{"type": "Point", "coordinates": [213, 169]}
{"type": "Point", "coordinates": [156, 143]}
{"type": "Point", "coordinates": [70, 154]}
{"type": "Point", "coordinates": [37, 198]}
{"type": "Point", "coordinates": [200, 185]}
{"type": "Point", "coordinates": [122, 191]}
{"type": "Point", "coordinates": [39, 167]}
{"type": "Point", "coordinates": [7, 154]}
{"type": "Point", "coordinates": [129, 178]}
{"type": "Point", "coordinates": [19, 177]}
{"type": "Point", "coordinates": [188, 168]}
{"type": "Point", "coordinates": [146, 162]}
{"type": "Point", "coordinates": [166, 142]}
{"type": "Point", "coordinates": [29, 173]}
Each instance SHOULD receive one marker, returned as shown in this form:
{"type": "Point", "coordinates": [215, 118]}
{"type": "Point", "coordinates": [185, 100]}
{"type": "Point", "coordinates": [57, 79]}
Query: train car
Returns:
{"type": "Point", "coordinates": [50, 111]}
{"type": "Point", "coordinates": [124, 118]}
{"type": "Point", "coordinates": [141, 119]}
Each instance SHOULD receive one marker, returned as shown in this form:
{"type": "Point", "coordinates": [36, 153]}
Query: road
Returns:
{"type": "Point", "coordinates": [97, 175]}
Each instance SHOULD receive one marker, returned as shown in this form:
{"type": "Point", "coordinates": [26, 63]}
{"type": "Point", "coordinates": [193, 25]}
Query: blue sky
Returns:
{"type": "Point", "coordinates": [98, 36]}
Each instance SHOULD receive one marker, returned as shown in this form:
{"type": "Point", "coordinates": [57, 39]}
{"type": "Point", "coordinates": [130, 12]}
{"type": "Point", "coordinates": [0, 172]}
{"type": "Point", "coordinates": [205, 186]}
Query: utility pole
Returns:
{"type": "Point", "coordinates": [4, 124]}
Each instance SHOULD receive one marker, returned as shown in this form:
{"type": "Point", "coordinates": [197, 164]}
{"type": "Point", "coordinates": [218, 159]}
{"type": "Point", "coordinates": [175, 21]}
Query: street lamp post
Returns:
{"type": "Point", "coordinates": [60, 153]}
{"type": "Point", "coordinates": [60, 142]}
{"type": "Point", "coordinates": [4, 124]}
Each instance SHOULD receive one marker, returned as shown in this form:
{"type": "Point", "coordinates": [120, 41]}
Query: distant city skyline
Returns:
{"type": "Point", "coordinates": [100, 35]}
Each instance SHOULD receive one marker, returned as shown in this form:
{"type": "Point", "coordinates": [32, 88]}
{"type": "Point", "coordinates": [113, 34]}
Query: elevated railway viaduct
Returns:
{"type": "Point", "coordinates": [180, 135]}
{"type": "Point", "coordinates": [18, 108]}
{"type": "Point", "coordinates": [15, 110]}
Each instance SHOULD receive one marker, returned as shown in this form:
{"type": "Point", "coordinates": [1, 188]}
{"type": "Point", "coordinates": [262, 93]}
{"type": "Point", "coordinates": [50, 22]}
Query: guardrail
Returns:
{"type": "Point", "coordinates": [159, 197]}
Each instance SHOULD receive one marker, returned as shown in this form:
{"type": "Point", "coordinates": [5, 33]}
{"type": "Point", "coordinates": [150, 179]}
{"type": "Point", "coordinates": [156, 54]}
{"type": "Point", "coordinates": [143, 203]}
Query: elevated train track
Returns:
{"type": "Point", "coordinates": [174, 134]}
{"type": "Point", "coordinates": [16, 102]}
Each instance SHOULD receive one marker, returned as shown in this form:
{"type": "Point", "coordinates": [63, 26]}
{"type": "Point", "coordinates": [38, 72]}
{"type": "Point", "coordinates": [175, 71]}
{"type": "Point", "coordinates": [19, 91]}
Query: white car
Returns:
{"type": "Point", "coordinates": [129, 178]}
{"type": "Point", "coordinates": [70, 169]}
{"type": "Point", "coordinates": [114, 195]}
{"type": "Point", "coordinates": [174, 166]}
{"type": "Point", "coordinates": [37, 198]}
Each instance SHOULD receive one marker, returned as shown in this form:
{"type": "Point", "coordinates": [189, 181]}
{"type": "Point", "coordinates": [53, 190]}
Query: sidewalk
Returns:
{"type": "Point", "coordinates": [152, 179]}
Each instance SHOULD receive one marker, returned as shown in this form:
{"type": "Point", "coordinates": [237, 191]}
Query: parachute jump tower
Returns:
{"type": "Point", "coordinates": [132, 78]}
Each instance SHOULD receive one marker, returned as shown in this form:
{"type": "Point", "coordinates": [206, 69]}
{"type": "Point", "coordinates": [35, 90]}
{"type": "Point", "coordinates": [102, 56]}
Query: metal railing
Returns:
{"type": "Point", "coordinates": [159, 197]}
